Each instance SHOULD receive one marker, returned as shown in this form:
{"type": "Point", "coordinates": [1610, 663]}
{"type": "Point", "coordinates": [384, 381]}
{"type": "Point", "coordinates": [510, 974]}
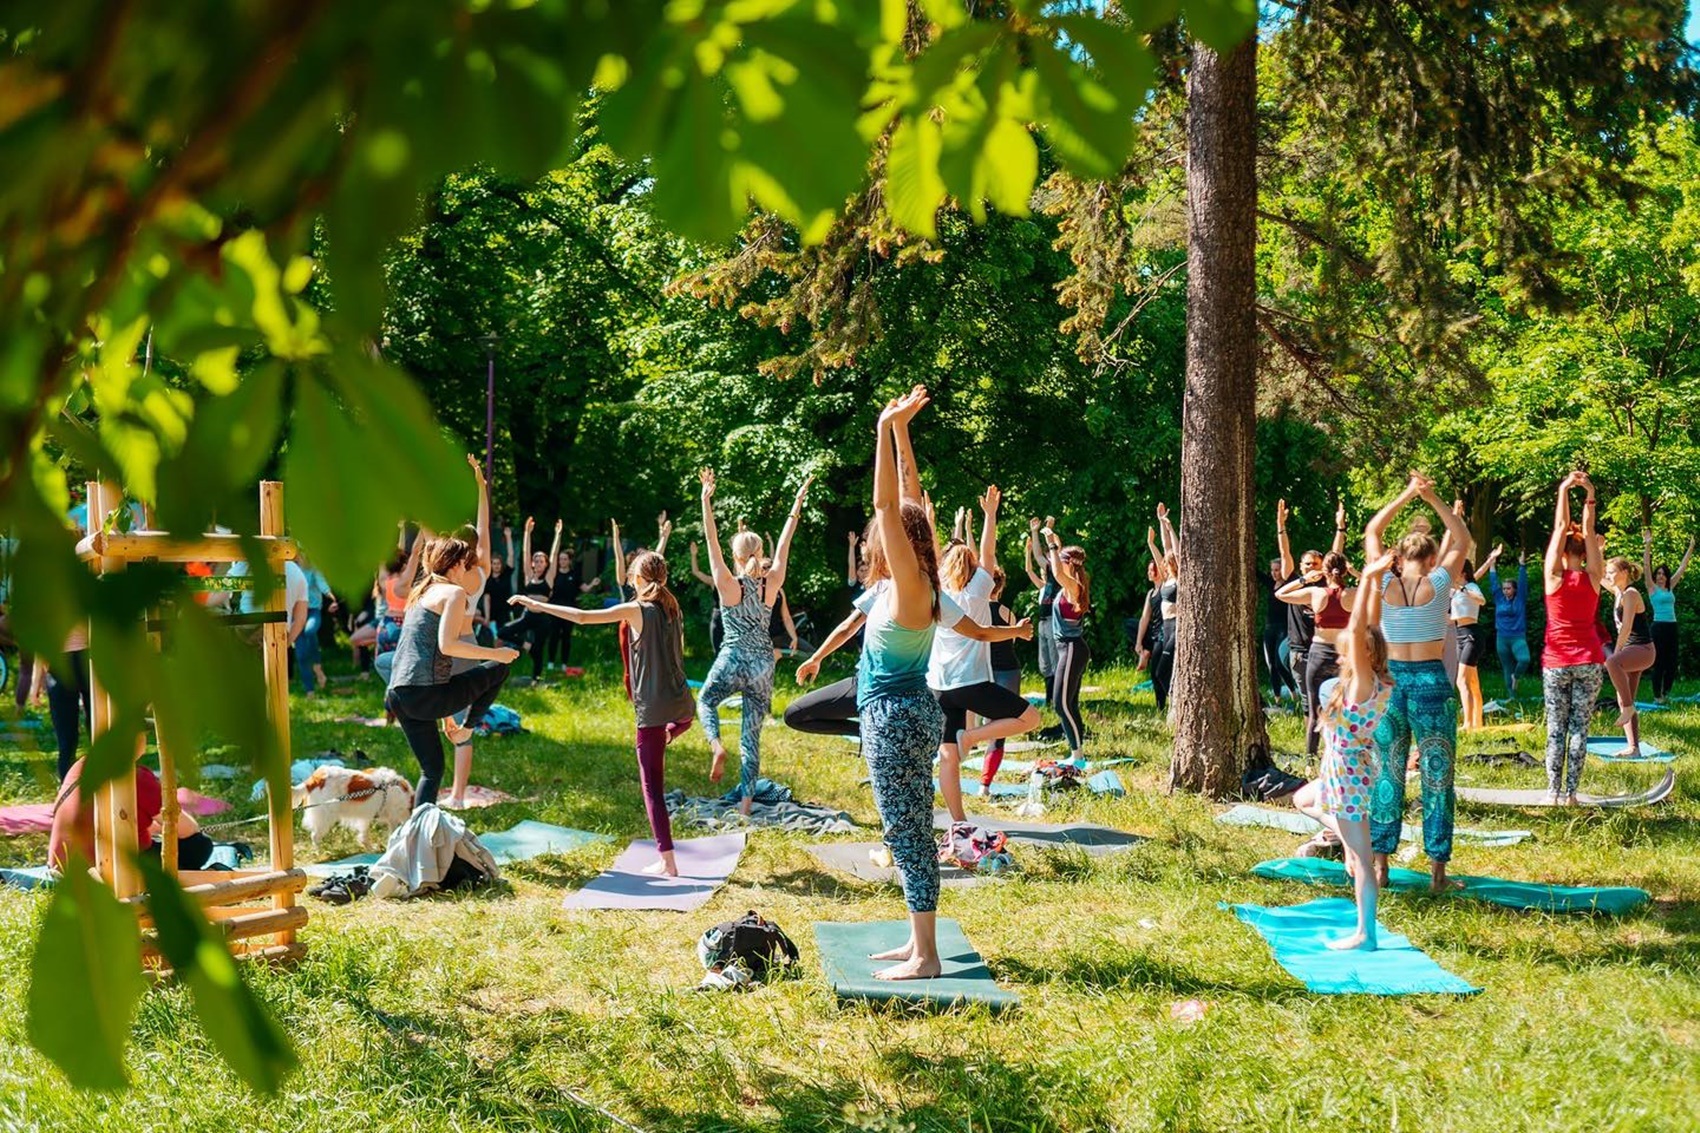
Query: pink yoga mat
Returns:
{"type": "Point", "coordinates": [37, 818]}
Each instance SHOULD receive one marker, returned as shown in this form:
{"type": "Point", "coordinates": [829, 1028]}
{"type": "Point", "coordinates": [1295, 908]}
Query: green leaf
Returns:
{"type": "Point", "coordinates": [695, 191]}
{"type": "Point", "coordinates": [1007, 167]}
{"type": "Point", "coordinates": [914, 190]}
{"type": "Point", "coordinates": [1222, 24]}
{"type": "Point", "coordinates": [85, 981]}
{"type": "Point", "coordinates": [1087, 119]}
{"type": "Point", "coordinates": [235, 1022]}
{"type": "Point", "coordinates": [230, 440]}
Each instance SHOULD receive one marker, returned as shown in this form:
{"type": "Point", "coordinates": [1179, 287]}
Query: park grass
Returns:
{"type": "Point", "coordinates": [502, 1011]}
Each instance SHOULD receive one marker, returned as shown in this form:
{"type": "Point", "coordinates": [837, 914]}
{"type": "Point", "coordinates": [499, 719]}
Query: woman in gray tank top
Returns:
{"type": "Point", "coordinates": [660, 696]}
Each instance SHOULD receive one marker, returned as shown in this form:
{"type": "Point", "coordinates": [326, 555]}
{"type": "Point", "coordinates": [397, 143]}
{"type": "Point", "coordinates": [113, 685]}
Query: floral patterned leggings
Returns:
{"type": "Point", "coordinates": [900, 733]}
{"type": "Point", "coordinates": [1423, 708]}
{"type": "Point", "coordinates": [1571, 691]}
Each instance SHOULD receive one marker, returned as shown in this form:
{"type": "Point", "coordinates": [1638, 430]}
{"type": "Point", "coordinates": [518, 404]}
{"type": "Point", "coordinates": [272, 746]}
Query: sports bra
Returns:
{"type": "Point", "coordinates": [1333, 614]}
{"type": "Point", "coordinates": [1415, 625]}
{"type": "Point", "coordinates": [396, 589]}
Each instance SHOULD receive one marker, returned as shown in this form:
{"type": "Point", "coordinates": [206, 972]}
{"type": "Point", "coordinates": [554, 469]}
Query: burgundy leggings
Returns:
{"type": "Point", "coordinates": [651, 754]}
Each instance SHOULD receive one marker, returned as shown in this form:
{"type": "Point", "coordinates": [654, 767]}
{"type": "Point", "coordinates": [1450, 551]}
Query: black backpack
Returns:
{"type": "Point", "coordinates": [1263, 780]}
{"type": "Point", "coordinates": [751, 942]}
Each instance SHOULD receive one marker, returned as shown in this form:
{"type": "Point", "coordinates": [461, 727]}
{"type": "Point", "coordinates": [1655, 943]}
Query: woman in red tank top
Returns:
{"type": "Point", "coordinates": [1573, 662]}
{"type": "Point", "coordinates": [1330, 600]}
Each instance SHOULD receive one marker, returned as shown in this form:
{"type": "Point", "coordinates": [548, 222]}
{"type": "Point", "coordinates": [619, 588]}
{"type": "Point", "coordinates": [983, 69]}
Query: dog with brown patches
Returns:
{"type": "Point", "coordinates": [353, 798]}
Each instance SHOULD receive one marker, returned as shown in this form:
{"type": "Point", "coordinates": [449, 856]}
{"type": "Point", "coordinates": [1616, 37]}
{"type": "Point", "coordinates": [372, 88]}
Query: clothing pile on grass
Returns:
{"type": "Point", "coordinates": [773, 805]}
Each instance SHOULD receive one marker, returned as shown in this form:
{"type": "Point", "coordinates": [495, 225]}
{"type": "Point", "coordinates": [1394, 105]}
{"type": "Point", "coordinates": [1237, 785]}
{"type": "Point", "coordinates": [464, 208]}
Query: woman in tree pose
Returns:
{"type": "Point", "coordinates": [960, 668]}
{"type": "Point", "coordinates": [537, 581]}
{"type": "Point", "coordinates": [1510, 620]}
{"type": "Point", "coordinates": [1467, 603]}
{"type": "Point", "coordinates": [1330, 601]}
{"type": "Point", "coordinates": [745, 662]}
{"type": "Point", "coordinates": [1039, 574]}
{"type": "Point", "coordinates": [1416, 600]}
{"type": "Point", "coordinates": [1068, 618]}
{"type": "Point", "coordinates": [1661, 595]}
{"type": "Point", "coordinates": [1301, 618]}
{"type": "Point", "coordinates": [901, 722]}
{"type": "Point", "coordinates": [1633, 653]}
{"type": "Point", "coordinates": [1350, 712]}
{"type": "Point", "coordinates": [1573, 662]}
{"type": "Point", "coordinates": [423, 688]}
{"type": "Point", "coordinates": [661, 698]}
{"type": "Point", "coordinates": [461, 727]}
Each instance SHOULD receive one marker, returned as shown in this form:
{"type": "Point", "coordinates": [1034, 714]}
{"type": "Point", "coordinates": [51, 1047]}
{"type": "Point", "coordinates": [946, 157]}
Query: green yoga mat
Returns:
{"type": "Point", "coordinates": [844, 951]}
{"type": "Point", "coordinates": [1613, 900]}
{"type": "Point", "coordinates": [1299, 936]}
{"type": "Point", "coordinates": [1281, 818]}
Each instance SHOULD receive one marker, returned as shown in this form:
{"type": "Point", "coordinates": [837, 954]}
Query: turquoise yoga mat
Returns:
{"type": "Point", "coordinates": [965, 979]}
{"type": "Point", "coordinates": [1614, 900]}
{"type": "Point", "coordinates": [1299, 936]}
{"type": "Point", "coordinates": [1246, 814]}
{"type": "Point", "coordinates": [1605, 746]}
{"type": "Point", "coordinates": [1103, 783]}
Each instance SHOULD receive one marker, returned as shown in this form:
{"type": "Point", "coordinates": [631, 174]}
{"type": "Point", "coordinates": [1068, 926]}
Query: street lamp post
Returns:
{"type": "Point", "coordinates": [491, 341]}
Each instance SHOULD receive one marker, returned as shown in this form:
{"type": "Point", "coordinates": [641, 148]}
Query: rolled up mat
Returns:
{"type": "Point", "coordinates": [1614, 900]}
{"type": "Point", "coordinates": [1277, 818]}
{"type": "Point", "coordinates": [704, 866]}
{"type": "Point", "coordinates": [854, 859]}
{"type": "Point", "coordinates": [964, 979]}
{"type": "Point", "coordinates": [1299, 936]}
{"type": "Point", "coordinates": [1607, 747]}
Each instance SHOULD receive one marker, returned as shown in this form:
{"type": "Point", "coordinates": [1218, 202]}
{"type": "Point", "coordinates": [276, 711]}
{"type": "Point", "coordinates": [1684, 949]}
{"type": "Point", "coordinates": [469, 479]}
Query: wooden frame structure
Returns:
{"type": "Point", "coordinates": [256, 908]}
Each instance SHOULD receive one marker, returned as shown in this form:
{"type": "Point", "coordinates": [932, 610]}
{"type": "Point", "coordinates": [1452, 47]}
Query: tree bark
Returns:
{"type": "Point", "coordinates": [1219, 723]}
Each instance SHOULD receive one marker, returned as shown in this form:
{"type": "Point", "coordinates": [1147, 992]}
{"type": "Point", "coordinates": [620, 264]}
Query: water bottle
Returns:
{"type": "Point", "coordinates": [1033, 807]}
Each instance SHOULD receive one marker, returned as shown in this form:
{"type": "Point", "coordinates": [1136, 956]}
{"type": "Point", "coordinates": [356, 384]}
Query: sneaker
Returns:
{"type": "Point", "coordinates": [1049, 735]}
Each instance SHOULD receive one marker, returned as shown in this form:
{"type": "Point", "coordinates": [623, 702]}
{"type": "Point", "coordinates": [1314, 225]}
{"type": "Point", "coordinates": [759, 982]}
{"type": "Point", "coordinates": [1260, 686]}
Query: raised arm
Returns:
{"type": "Point", "coordinates": [1489, 563]}
{"type": "Point", "coordinates": [1339, 544]}
{"type": "Point", "coordinates": [1590, 533]}
{"type": "Point", "coordinates": [782, 549]}
{"type": "Point", "coordinates": [1457, 549]}
{"type": "Point", "coordinates": [912, 597]}
{"type": "Point", "coordinates": [1366, 612]}
{"type": "Point", "coordinates": [1032, 557]}
{"type": "Point", "coordinates": [525, 567]}
{"type": "Point", "coordinates": [554, 556]}
{"type": "Point", "coordinates": [1171, 544]}
{"type": "Point", "coordinates": [410, 570]}
{"type": "Point", "coordinates": [697, 571]}
{"type": "Point", "coordinates": [1156, 555]}
{"type": "Point", "coordinates": [908, 475]}
{"type": "Point", "coordinates": [989, 504]}
{"type": "Point", "coordinates": [619, 554]}
{"type": "Point", "coordinates": [663, 532]}
{"type": "Point", "coordinates": [725, 585]}
{"type": "Point", "coordinates": [1376, 528]}
{"type": "Point", "coordinates": [1647, 556]}
{"type": "Point", "coordinates": [508, 546]}
{"type": "Point", "coordinates": [483, 512]}
{"type": "Point", "coordinates": [1553, 566]}
{"type": "Point", "coordinates": [841, 633]}
{"type": "Point", "coordinates": [852, 575]}
{"type": "Point", "coordinates": [1682, 568]}
{"type": "Point", "coordinates": [1286, 548]}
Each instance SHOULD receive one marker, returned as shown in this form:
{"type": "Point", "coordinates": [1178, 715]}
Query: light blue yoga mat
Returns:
{"type": "Point", "coordinates": [1612, 899]}
{"type": "Point", "coordinates": [1299, 936]}
{"type": "Point", "coordinates": [1277, 818]}
{"type": "Point", "coordinates": [1103, 783]}
{"type": "Point", "coordinates": [1605, 746]}
{"type": "Point", "coordinates": [29, 877]}
{"type": "Point", "coordinates": [518, 843]}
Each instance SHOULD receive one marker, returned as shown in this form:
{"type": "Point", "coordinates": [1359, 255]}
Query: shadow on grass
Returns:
{"type": "Point", "coordinates": [1127, 970]}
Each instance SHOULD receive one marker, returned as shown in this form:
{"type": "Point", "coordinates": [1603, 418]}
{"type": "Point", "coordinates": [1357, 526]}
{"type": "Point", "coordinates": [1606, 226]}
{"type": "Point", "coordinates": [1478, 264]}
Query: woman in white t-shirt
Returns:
{"type": "Point", "coordinates": [960, 669]}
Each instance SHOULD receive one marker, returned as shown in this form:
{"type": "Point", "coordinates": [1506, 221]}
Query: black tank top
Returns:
{"type": "Point", "coordinates": [1004, 659]}
{"type": "Point", "coordinates": [1640, 631]}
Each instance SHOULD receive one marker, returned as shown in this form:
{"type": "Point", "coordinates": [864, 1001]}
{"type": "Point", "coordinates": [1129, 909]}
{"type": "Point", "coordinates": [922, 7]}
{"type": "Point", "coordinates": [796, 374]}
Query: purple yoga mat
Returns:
{"type": "Point", "coordinates": [704, 865]}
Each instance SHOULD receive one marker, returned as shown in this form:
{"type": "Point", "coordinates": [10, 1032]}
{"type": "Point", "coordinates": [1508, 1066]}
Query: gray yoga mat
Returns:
{"type": "Point", "coordinates": [1087, 836]}
{"type": "Point", "coordinates": [704, 866]}
{"type": "Point", "coordinates": [1295, 823]}
{"type": "Point", "coordinates": [853, 858]}
{"type": "Point", "coordinates": [1489, 796]}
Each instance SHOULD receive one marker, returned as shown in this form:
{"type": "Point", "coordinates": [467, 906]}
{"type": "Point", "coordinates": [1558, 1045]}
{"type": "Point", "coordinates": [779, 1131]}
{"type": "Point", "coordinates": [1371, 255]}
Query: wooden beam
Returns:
{"type": "Point", "coordinates": [231, 887]}
{"type": "Point", "coordinates": [164, 547]}
{"type": "Point", "coordinates": [274, 641]}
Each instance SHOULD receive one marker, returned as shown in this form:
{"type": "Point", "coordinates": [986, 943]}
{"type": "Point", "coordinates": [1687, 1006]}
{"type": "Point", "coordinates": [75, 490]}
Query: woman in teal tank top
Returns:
{"type": "Point", "coordinates": [1661, 596]}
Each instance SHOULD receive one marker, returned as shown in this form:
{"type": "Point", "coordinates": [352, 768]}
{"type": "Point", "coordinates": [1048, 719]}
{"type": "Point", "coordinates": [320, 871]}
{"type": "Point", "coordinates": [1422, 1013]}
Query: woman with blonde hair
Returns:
{"type": "Point", "coordinates": [660, 696]}
{"type": "Point", "coordinates": [1416, 603]}
{"type": "Point", "coordinates": [744, 665]}
{"type": "Point", "coordinates": [1634, 653]}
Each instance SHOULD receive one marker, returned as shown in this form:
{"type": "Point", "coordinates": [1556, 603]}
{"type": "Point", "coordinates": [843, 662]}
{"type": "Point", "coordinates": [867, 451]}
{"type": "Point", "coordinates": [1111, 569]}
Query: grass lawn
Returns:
{"type": "Point", "coordinates": [502, 1011]}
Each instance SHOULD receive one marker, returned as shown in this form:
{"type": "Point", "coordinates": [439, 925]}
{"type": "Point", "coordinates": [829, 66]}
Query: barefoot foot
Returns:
{"type": "Point", "coordinates": [662, 868]}
{"type": "Point", "coordinates": [717, 768]}
{"type": "Point", "coordinates": [912, 969]}
{"type": "Point", "coordinates": [903, 953]}
{"type": "Point", "coordinates": [745, 806]}
{"type": "Point", "coordinates": [1356, 942]}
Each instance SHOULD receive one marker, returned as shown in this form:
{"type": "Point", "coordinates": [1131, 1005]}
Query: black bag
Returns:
{"type": "Point", "coordinates": [752, 942]}
{"type": "Point", "coordinates": [1264, 781]}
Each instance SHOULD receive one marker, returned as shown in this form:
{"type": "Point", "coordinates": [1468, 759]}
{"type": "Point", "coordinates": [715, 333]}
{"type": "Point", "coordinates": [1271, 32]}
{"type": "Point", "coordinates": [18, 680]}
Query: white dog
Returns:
{"type": "Point", "coordinates": [354, 798]}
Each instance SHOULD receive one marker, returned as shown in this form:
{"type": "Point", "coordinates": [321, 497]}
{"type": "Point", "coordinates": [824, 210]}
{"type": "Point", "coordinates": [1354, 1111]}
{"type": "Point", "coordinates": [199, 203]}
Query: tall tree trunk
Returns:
{"type": "Point", "coordinates": [1219, 724]}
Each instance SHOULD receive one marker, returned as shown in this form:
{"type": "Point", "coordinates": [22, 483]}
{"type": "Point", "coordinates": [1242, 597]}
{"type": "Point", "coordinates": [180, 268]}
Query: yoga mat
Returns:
{"type": "Point", "coordinates": [1025, 766]}
{"type": "Point", "coordinates": [1605, 748]}
{"type": "Point", "coordinates": [704, 865]}
{"type": "Point", "coordinates": [478, 797]}
{"type": "Point", "coordinates": [30, 877]}
{"type": "Point", "coordinates": [1293, 822]}
{"type": "Point", "coordinates": [1614, 899]}
{"type": "Point", "coordinates": [26, 818]}
{"type": "Point", "coordinates": [852, 858]}
{"type": "Point", "coordinates": [1490, 796]}
{"type": "Point", "coordinates": [526, 840]}
{"type": "Point", "coordinates": [1086, 836]}
{"type": "Point", "coordinates": [971, 789]}
{"type": "Point", "coordinates": [965, 979]}
{"type": "Point", "coordinates": [1298, 935]}
{"type": "Point", "coordinates": [1106, 783]}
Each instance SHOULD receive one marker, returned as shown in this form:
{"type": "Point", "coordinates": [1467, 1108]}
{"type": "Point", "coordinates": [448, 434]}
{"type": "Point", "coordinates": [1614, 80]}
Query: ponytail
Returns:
{"type": "Point", "coordinates": [648, 573]}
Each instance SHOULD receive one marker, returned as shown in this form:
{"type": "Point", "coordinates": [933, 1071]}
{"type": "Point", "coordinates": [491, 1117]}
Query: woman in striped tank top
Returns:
{"type": "Point", "coordinates": [1415, 620]}
{"type": "Point", "coordinates": [744, 664]}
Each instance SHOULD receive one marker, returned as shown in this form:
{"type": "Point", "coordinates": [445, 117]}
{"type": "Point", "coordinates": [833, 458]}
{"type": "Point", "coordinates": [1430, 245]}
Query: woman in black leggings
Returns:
{"type": "Point", "coordinates": [1068, 616]}
{"type": "Point", "coordinates": [1168, 594]}
{"type": "Point", "coordinates": [423, 689]}
{"type": "Point", "coordinates": [68, 693]}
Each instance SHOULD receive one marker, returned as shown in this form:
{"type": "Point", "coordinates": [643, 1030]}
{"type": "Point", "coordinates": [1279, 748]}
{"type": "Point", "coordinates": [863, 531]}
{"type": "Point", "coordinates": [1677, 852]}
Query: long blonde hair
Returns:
{"type": "Point", "coordinates": [1377, 645]}
{"type": "Point", "coordinates": [746, 555]}
{"type": "Point", "coordinates": [957, 567]}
